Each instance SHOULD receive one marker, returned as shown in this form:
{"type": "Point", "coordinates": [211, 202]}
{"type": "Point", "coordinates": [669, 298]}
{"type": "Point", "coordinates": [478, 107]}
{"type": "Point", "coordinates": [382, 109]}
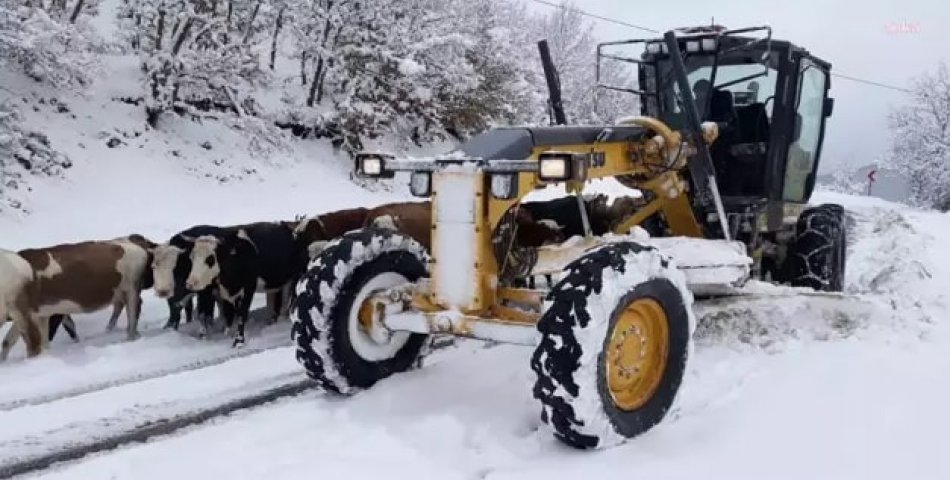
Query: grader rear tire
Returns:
{"type": "Point", "coordinates": [614, 346]}
{"type": "Point", "coordinates": [332, 346]}
{"type": "Point", "coordinates": [817, 255]}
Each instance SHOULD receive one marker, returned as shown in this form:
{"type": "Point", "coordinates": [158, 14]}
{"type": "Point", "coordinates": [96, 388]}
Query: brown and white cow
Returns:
{"type": "Point", "coordinates": [413, 219]}
{"type": "Point", "coordinates": [85, 277]}
{"type": "Point", "coordinates": [67, 322]}
{"type": "Point", "coordinates": [16, 279]}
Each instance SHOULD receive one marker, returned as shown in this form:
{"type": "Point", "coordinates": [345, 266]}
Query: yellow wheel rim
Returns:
{"type": "Point", "coordinates": [636, 354]}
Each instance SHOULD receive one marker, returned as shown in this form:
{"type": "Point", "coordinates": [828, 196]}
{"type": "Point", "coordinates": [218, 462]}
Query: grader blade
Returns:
{"type": "Point", "coordinates": [711, 266]}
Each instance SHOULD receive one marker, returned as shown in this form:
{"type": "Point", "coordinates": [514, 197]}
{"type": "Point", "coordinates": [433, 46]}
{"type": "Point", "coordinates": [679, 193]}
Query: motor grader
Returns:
{"type": "Point", "coordinates": [724, 151]}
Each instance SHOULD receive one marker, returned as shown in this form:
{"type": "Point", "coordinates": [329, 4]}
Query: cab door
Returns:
{"type": "Point", "coordinates": [810, 109]}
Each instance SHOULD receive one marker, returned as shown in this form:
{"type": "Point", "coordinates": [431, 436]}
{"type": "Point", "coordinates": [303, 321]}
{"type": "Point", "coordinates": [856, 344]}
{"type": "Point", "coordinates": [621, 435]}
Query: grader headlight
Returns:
{"type": "Point", "coordinates": [554, 167]}
{"type": "Point", "coordinates": [372, 165]}
{"type": "Point", "coordinates": [563, 166]}
{"type": "Point", "coordinates": [420, 183]}
{"type": "Point", "coordinates": [504, 186]}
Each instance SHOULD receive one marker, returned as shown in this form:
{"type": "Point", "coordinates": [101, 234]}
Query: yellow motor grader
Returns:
{"type": "Point", "coordinates": [724, 151]}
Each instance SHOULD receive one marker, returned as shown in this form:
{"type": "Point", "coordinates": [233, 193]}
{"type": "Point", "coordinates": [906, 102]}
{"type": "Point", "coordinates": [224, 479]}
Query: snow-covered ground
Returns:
{"type": "Point", "coordinates": [778, 388]}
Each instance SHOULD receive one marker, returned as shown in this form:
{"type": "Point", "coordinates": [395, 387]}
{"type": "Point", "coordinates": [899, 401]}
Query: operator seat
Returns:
{"type": "Point", "coordinates": [722, 110]}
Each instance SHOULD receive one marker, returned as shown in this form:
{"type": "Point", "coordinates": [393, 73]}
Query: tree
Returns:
{"type": "Point", "coordinates": [574, 52]}
{"type": "Point", "coordinates": [52, 43]}
{"type": "Point", "coordinates": [921, 145]}
{"type": "Point", "coordinates": [198, 55]}
{"type": "Point", "coordinates": [23, 151]}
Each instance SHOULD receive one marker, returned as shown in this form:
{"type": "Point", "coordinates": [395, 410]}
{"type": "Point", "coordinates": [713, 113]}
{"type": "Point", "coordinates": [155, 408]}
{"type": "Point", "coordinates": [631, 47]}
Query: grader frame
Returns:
{"type": "Point", "coordinates": [484, 314]}
{"type": "Point", "coordinates": [613, 335]}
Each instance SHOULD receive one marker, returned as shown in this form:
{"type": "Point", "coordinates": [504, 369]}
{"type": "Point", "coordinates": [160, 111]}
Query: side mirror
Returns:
{"type": "Point", "coordinates": [828, 107]}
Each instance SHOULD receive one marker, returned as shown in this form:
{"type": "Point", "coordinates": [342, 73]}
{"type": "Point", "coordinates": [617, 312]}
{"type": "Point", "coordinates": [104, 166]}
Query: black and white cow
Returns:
{"type": "Point", "coordinates": [170, 267]}
{"type": "Point", "coordinates": [237, 264]}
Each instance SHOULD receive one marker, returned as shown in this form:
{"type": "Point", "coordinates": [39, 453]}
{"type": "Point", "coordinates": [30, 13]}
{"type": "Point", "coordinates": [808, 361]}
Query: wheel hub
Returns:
{"type": "Point", "coordinates": [368, 323]}
{"type": "Point", "coordinates": [637, 353]}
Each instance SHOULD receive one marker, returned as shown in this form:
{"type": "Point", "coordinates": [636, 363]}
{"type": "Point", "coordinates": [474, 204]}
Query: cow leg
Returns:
{"type": "Point", "coordinates": [31, 334]}
{"type": "Point", "coordinates": [189, 309]}
{"type": "Point", "coordinates": [243, 309]}
{"type": "Point", "coordinates": [54, 322]}
{"type": "Point", "coordinates": [43, 324]}
{"type": "Point", "coordinates": [117, 306]}
{"type": "Point", "coordinates": [273, 302]}
{"type": "Point", "coordinates": [174, 315]}
{"type": "Point", "coordinates": [70, 326]}
{"type": "Point", "coordinates": [133, 305]}
{"type": "Point", "coordinates": [205, 311]}
{"type": "Point", "coordinates": [227, 311]}
{"type": "Point", "coordinates": [22, 327]}
{"type": "Point", "coordinates": [285, 292]}
{"type": "Point", "coordinates": [10, 339]}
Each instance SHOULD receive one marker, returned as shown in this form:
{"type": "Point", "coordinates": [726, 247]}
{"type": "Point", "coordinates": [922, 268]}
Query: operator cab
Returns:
{"type": "Point", "coordinates": [769, 97]}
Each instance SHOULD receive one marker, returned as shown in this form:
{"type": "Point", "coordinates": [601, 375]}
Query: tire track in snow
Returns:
{"type": "Point", "coordinates": [154, 428]}
{"type": "Point", "coordinates": [256, 316]}
{"type": "Point", "coordinates": [139, 377]}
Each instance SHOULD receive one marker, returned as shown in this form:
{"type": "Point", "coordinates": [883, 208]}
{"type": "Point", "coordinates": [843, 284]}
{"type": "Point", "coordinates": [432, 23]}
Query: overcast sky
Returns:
{"type": "Point", "coordinates": [887, 41]}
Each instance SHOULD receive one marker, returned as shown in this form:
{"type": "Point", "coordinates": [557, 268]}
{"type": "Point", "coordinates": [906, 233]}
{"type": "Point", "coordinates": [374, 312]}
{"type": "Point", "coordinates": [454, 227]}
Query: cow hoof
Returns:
{"type": "Point", "coordinates": [238, 343]}
{"type": "Point", "coordinates": [133, 336]}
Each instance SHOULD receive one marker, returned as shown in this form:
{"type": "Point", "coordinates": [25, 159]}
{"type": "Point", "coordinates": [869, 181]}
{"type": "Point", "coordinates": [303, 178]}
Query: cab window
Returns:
{"type": "Point", "coordinates": [807, 124]}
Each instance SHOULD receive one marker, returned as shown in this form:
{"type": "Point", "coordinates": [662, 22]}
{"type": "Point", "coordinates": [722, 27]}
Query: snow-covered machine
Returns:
{"type": "Point", "coordinates": [612, 335]}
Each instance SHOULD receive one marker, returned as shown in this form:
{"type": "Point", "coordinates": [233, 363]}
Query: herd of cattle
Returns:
{"type": "Point", "coordinates": [40, 288]}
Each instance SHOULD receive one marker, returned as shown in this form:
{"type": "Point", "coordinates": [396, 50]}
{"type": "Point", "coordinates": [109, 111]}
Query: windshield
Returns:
{"type": "Point", "coordinates": [737, 86]}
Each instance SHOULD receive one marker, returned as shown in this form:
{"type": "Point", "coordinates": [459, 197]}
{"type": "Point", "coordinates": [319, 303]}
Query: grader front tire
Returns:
{"type": "Point", "coordinates": [614, 347]}
{"type": "Point", "coordinates": [332, 345]}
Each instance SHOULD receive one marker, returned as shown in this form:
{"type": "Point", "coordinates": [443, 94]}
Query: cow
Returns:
{"type": "Point", "coordinates": [564, 212]}
{"type": "Point", "coordinates": [413, 219]}
{"type": "Point", "coordinates": [311, 235]}
{"type": "Point", "coordinates": [67, 322]}
{"type": "Point", "coordinates": [170, 269]}
{"type": "Point", "coordinates": [330, 225]}
{"type": "Point", "coordinates": [237, 264]}
{"type": "Point", "coordinates": [16, 281]}
{"type": "Point", "coordinates": [82, 278]}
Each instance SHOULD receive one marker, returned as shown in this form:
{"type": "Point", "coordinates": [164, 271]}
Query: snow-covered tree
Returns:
{"type": "Point", "coordinates": [414, 69]}
{"type": "Point", "coordinates": [51, 42]}
{"type": "Point", "coordinates": [23, 152]}
{"type": "Point", "coordinates": [198, 55]}
{"type": "Point", "coordinates": [573, 47]}
{"type": "Point", "coordinates": [921, 144]}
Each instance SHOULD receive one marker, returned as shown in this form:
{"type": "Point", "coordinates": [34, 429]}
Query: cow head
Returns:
{"type": "Point", "coordinates": [310, 230]}
{"type": "Point", "coordinates": [204, 263]}
{"type": "Point", "coordinates": [622, 208]}
{"type": "Point", "coordinates": [165, 257]}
